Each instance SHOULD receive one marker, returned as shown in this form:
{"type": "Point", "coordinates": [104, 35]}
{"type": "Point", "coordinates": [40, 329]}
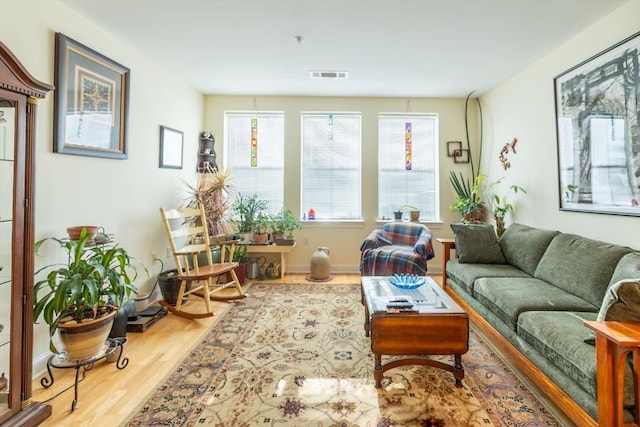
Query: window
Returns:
{"type": "Point", "coordinates": [408, 164]}
{"type": "Point", "coordinates": [331, 167]}
{"type": "Point", "coordinates": [254, 153]}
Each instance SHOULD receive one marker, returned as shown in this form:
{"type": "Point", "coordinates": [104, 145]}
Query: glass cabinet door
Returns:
{"type": "Point", "coordinates": [7, 144]}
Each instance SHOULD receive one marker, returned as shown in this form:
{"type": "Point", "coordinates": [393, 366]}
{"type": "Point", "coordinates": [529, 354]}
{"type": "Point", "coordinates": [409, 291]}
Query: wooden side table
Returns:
{"type": "Point", "coordinates": [282, 250]}
{"type": "Point", "coordinates": [614, 341]}
{"type": "Point", "coordinates": [447, 246]}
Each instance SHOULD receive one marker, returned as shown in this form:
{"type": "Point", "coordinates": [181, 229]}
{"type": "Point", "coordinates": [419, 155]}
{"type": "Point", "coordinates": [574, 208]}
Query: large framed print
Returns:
{"type": "Point", "coordinates": [91, 102]}
{"type": "Point", "coordinates": [598, 132]}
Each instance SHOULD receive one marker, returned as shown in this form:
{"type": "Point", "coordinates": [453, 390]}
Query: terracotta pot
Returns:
{"type": "Point", "coordinates": [260, 238]}
{"type": "Point", "coordinates": [414, 216]}
{"type": "Point", "coordinates": [82, 341]}
{"type": "Point", "coordinates": [74, 232]}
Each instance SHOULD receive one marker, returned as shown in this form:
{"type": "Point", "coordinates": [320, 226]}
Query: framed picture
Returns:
{"type": "Point", "coordinates": [171, 141]}
{"type": "Point", "coordinates": [461, 156]}
{"type": "Point", "coordinates": [91, 102]}
{"type": "Point", "coordinates": [598, 132]}
{"type": "Point", "coordinates": [452, 147]}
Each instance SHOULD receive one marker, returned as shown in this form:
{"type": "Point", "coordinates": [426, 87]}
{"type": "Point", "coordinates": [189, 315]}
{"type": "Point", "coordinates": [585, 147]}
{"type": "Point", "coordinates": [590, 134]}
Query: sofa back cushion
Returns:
{"type": "Point", "coordinates": [523, 246]}
{"type": "Point", "coordinates": [477, 243]}
{"type": "Point", "coordinates": [581, 266]}
{"type": "Point", "coordinates": [627, 268]}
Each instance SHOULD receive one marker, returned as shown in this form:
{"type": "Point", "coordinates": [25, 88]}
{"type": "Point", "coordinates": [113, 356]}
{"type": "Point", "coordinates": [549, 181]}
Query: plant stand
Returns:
{"type": "Point", "coordinates": [59, 361]}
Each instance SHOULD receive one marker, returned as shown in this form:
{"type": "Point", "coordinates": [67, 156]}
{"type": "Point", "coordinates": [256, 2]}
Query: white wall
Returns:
{"type": "Point", "coordinates": [344, 239]}
{"type": "Point", "coordinates": [123, 196]}
{"type": "Point", "coordinates": [523, 107]}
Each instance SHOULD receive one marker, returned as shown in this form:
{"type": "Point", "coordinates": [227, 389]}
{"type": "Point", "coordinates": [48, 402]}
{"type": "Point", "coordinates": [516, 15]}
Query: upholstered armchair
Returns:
{"type": "Point", "coordinates": [395, 248]}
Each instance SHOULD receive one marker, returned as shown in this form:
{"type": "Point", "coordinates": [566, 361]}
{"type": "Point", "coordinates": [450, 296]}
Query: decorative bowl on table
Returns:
{"type": "Point", "coordinates": [406, 281]}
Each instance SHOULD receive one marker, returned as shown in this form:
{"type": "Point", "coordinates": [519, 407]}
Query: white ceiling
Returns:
{"type": "Point", "coordinates": [416, 48]}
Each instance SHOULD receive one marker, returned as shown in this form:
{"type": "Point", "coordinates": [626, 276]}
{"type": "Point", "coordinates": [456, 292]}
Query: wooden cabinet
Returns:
{"type": "Point", "coordinates": [207, 154]}
{"type": "Point", "coordinates": [19, 93]}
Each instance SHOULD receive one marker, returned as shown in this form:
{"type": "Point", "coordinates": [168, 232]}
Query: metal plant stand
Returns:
{"type": "Point", "coordinates": [112, 346]}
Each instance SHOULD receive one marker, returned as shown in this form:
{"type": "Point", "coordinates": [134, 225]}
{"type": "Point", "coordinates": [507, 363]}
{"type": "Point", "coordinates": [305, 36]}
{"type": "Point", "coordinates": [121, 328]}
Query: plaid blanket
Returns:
{"type": "Point", "coordinates": [396, 248]}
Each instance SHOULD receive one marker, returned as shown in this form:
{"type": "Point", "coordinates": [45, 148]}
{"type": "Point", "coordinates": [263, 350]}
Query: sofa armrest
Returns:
{"type": "Point", "coordinates": [447, 246]}
{"type": "Point", "coordinates": [614, 340]}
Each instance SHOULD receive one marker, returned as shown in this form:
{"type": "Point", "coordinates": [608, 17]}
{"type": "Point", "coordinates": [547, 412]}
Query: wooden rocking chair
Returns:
{"type": "Point", "coordinates": [188, 236]}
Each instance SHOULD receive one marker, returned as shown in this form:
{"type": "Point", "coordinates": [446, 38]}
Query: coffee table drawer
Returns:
{"type": "Point", "coordinates": [405, 334]}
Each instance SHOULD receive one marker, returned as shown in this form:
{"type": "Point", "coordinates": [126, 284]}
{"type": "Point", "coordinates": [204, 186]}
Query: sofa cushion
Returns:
{"type": "Point", "coordinates": [466, 274]}
{"type": "Point", "coordinates": [580, 266]}
{"type": "Point", "coordinates": [523, 246]}
{"type": "Point", "coordinates": [477, 243]}
{"type": "Point", "coordinates": [558, 336]}
{"type": "Point", "coordinates": [507, 298]}
{"type": "Point", "coordinates": [627, 268]}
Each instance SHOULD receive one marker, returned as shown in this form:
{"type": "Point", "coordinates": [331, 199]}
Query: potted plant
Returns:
{"type": "Point", "coordinates": [240, 256]}
{"type": "Point", "coordinates": [284, 223]}
{"type": "Point", "coordinates": [81, 297]}
{"type": "Point", "coordinates": [414, 212]}
{"type": "Point", "coordinates": [212, 192]}
{"type": "Point", "coordinates": [500, 207]}
{"type": "Point", "coordinates": [261, 230]}
{"type": "Point", "coordinates": [467, 201]}
{"type": "Point", "coordinates": [246, 210]}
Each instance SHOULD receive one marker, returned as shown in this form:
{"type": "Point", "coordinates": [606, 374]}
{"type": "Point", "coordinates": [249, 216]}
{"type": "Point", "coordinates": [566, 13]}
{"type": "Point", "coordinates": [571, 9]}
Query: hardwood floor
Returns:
{"type": "Point", "coordinates": [107, 396]}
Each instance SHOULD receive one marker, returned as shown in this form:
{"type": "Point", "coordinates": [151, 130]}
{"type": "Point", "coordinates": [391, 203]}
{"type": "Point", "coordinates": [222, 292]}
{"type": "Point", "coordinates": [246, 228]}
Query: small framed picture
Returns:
{"type": "Point", "coordinates": [171, 141]}
{"type": "Point", "coordinates": [452, 147]}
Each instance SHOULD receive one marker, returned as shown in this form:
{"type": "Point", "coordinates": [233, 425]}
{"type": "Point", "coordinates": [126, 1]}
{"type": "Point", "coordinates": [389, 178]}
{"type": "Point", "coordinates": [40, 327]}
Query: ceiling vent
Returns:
{"type": "Point", "coordinates": [329, 74]}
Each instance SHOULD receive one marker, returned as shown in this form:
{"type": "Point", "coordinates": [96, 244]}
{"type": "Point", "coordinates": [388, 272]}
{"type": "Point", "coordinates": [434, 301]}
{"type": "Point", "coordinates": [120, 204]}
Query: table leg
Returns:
{"type": "Point", "coordinates": [377, 370]}
{"type": "Point", "coordinates": [283, 264]}
{"type": "Point", "coordinates": [458, 370]}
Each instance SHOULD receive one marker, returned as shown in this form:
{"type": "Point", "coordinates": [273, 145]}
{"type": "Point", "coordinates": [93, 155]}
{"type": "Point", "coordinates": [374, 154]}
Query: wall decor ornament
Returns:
{"type": "Point", "coordinates": [452, 147]}
{"type": "Point", "coordinates": [598, 132]}
{"type": "Point", "coordinates": [171, 143]}
{"type": "Point", "coordinates": [461, 156]}
{"type": "Point", "coordinates": [506, 164]}
{"type": "Point", "coordinates": [91, 102]}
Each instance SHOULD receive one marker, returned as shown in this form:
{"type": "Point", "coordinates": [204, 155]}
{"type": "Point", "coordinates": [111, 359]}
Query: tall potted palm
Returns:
{"type": "Point", "coordinates": [81, 297]}
{"type": "Point", "coordinates": [213, 193]}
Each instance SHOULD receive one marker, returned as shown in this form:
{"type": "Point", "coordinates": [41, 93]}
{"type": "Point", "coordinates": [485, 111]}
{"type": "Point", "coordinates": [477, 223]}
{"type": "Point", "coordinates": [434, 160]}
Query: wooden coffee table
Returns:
{"type": "Point", "coordinates": [435, 325]}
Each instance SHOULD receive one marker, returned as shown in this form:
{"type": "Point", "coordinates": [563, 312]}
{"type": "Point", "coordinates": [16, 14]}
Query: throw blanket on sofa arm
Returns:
{"type": "Point", "coordinates": [396, 248]}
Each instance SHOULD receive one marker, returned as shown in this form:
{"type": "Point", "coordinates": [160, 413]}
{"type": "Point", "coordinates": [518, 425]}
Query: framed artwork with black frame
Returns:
{"type": "Point", "coordinates": [91, 102]}
{"type": "Point", "coordinates": [598, 132]}
{"type": "Point", "coordinates": [171, 142]}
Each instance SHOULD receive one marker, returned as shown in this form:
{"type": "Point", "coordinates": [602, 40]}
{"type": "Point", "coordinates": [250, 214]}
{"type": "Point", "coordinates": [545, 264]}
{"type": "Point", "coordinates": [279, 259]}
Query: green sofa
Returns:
{"type": "Point", "coordinates": [536, 288]}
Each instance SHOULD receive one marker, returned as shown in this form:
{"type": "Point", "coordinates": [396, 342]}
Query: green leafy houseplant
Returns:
{"type": "Point", "coordinates": [285, 223]}
{"type": "Point", "coordinates": [240, 254]}
{"type": "Point", "coordinates": [94, 282]}
{"type": "Point", "coordinates": [500, 206]}
{"type": "Point", "coordinates": [467, 201]}
{"type": "Point", "coordinates": [246, 210]}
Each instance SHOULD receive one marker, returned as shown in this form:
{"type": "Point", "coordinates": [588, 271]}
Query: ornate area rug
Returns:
{"type": "Point", "coordinates": [296, 355]}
